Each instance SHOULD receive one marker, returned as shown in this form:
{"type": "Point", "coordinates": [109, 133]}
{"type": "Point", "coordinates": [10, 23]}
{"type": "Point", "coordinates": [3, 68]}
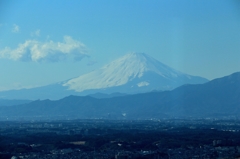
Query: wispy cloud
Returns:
{"type": "Point", "coordinates": [17, 86]}
{"type": "Point", "coordinates": [50, 51]}
{"type": "Point", "coordinates": [15, 28]}
{"type": "Point", "coordinates": [36, 33]}
{"type": "Point", "coordinates": [90, 63]}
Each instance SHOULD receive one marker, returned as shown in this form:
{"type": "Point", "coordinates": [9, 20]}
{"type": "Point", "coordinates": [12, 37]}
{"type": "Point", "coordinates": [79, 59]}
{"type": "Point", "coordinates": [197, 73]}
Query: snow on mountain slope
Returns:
{"type": "Point", "coordinates": [131, 71]}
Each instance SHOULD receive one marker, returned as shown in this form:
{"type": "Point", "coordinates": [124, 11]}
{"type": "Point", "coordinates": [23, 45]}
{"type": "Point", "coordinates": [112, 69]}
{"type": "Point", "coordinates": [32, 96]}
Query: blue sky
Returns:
{"type": "Point", "coordinates": [43, 42]}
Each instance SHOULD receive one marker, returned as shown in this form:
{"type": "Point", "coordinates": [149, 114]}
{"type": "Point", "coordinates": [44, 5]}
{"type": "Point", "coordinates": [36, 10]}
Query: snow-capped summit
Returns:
{"type": "Point", "coordinates": [132, 73]}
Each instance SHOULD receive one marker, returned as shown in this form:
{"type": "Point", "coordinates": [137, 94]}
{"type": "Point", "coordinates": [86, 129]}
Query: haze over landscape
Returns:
{"type": "Point", "coordinates": [119, 79]}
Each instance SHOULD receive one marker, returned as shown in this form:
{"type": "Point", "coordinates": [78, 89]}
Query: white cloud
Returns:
{"type": "Point", "coordinates": [36, 33]}
{"type": "Point", "coordinates": [17, 86]}
{"type": "Point", "coordinates": [15, 28]}
{"type": "Point", "coordinates": [33, 50]}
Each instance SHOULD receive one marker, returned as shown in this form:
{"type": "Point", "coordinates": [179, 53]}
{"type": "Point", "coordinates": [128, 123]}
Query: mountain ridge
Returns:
{"type": "Point", "coordinates": [218, 98]}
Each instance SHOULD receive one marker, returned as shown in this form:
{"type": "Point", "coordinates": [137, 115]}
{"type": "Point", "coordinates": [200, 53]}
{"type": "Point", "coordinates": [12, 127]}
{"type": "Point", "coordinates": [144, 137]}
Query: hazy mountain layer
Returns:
{"type": "Point", "coordinates": [217, 98]}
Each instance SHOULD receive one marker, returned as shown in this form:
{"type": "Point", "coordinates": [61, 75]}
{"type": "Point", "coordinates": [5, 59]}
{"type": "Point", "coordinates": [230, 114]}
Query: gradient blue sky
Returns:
{"type": "Point", "coordinates": [43, 42]}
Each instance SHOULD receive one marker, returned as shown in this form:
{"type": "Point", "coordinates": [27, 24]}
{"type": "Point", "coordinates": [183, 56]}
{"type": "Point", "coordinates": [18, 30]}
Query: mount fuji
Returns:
{"type": "Point", "coordinates": [130, 74]}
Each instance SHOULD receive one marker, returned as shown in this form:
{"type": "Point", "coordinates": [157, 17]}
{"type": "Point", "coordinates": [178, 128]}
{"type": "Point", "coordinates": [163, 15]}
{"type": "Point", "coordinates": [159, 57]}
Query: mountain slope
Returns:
{"type": "Point", "coordinates": [217, 98]}
{"type": "Point", "coordinates": [130, 74]}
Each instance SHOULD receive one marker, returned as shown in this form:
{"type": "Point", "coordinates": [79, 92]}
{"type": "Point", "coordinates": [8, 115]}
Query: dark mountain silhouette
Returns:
{"type": "Point", "coordinates": [217, 98]}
